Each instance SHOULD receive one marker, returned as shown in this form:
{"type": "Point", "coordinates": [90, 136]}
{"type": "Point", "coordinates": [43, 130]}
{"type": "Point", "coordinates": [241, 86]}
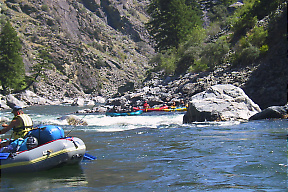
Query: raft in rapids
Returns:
{"type": "Point", "coordinates": [113, 114]}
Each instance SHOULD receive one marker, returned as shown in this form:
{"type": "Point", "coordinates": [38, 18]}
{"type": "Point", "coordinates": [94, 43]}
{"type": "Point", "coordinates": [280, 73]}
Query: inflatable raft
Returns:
{"type": "Point", "coordinates": [43, 148]}
{"type": "Point", "coordinates": [124, 113]}
{"type": "Point", "coordinates": [173, 109]}
{"type": "Point", "coordinates": [151, 109]}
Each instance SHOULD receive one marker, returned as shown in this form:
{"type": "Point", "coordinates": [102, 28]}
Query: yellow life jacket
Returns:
{"type": "Point", "coordinates": [24, 127]}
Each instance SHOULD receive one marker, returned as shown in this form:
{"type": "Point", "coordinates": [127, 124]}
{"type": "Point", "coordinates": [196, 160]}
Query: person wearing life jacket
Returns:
{"type": "Point", "coordinates": [21, 123]}
{"type": "Point", "coordinates": [146, 106]}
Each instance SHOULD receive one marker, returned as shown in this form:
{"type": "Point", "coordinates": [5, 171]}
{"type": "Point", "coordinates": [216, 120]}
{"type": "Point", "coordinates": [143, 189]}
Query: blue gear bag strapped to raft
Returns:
{"type": "Point", "coordinates": [46, 133]}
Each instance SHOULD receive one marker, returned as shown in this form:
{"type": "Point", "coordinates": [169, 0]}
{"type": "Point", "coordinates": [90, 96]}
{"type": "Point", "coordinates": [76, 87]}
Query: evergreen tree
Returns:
{"type": "Point", "coordinates": [11, 63]}
{"type": "Point", "coordinates": [172, 21]}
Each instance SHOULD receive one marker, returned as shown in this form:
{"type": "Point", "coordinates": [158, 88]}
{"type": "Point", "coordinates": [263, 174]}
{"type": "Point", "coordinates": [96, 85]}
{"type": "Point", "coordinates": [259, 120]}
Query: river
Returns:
{"type": "Point", "coordinates": [156, 152]}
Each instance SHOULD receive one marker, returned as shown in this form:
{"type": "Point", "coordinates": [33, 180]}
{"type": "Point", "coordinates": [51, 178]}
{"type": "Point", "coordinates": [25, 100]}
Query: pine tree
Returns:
{"type": "Point", "coordinates": [12, 71]}
{"type": "Point", "coordinates": [172, 21]}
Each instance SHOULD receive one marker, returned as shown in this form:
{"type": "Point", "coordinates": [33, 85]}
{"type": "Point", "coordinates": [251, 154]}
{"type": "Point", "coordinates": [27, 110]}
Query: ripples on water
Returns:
{"type": "Point", "coordinates": [156, 152]}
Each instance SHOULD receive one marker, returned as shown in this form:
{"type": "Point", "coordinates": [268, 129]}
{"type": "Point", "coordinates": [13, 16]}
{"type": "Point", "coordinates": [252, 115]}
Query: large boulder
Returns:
{"type": "Point", "coordinates": [129, 86]}
{"type": "Point", "coordinates": [278, 112]}
{"type": "Point", "coordinates": [12, 101]}
{"type": "Point", "coordinates": [30, 98]}
{"type": "Point", "coordinates": [3, 103]}
{"type": "Point", "coordinates": [117, 101]}
{"type": "Point", "coordinates": [73, 120]}
{"type": "Point", "coordinates": [78, 102]}
{"type": "Point", "coordinates": [220, 103]}
{"type": "Point", "coordinates": [99, 99]}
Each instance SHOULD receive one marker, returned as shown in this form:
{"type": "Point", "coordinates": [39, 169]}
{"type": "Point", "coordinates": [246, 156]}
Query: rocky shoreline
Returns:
{"type": "Point", "coordinates": [157, 92]}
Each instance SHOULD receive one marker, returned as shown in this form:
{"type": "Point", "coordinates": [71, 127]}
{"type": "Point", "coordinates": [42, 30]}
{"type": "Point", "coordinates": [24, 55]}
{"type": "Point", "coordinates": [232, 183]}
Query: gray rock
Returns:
{"type": "Point", "coordinates": [73, 120]}
{"type": "Point", "coordinates": [12, 101]}
{"type": "Point", "coordinates": [129, 86]}
{"type": "Point", "coordinates": [89, 102]}
{"type": "Point", "coordinates": [100, 109]}
{"type": "Point", "coordinates": [220, 103]}
{"type": "Point", "coordinates": [117, 101]}
{"type": "Point", "coordinates": [3, 104]}
{"type": "Point", "coordinates": [99, 99]}
{"type": "Point", "coordinates": [31, 98]}
{"type": "Point", "coordinates": [78, 102]}
{"type": "Point", "coordinates": [67, 101]}
{"type": "Point", "coordinates": [272, 112]}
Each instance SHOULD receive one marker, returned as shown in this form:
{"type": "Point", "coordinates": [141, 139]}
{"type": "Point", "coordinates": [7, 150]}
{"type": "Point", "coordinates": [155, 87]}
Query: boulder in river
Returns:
{"type": "Point", "coordinates": [220, 103]}
{"type": "Point", "coordinates": [273, 112]}
{"type": "Point", "coordinates": [73, 120]}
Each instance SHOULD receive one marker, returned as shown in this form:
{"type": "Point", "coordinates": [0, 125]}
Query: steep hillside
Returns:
{"type": "Point", "coordinates": [94, 45]}
{"type": "Point", "coordinates": [97, 46]}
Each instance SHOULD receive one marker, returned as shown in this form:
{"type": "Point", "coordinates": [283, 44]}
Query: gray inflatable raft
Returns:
{"type": "Point", "coordinates": [58, 152]}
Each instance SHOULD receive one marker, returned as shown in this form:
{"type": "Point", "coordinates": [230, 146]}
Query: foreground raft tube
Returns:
{"type": "Point", "coordinates": [52, 154]}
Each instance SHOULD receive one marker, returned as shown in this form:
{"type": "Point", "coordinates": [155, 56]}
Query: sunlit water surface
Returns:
{"type": "Point", "coordinates": [156, 152]}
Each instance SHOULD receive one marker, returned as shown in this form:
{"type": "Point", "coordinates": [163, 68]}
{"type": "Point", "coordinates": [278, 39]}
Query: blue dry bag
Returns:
{"type": "Point", "coordinates": [46, 133]}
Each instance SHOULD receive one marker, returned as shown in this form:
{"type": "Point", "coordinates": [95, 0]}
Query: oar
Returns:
{"type": "Point", "coordinates": [89, 157]}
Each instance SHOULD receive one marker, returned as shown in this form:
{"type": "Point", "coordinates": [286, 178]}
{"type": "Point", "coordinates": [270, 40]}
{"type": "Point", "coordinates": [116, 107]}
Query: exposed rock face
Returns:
{"type": "Point", "coordinates": [220, 103]}
{"type": "Point", "coordinates": [99, 47]}
{"type": "Point", "coordinates": [94, 46]}
{"type": "Point", "coordinates": [272, 112]}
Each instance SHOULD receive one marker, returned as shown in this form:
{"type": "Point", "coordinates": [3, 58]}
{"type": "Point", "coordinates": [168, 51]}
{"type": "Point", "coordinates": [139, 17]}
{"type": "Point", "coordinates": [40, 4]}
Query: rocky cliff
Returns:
{"type": "Point", "coordinates": [100, 47]}
{"type": "Point", "coordinates": [94, 45]}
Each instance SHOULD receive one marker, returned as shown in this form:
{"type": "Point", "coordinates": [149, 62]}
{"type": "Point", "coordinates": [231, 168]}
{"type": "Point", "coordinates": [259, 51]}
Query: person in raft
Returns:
{"type": "Point", "coordinates": [21, 124]}
{"type": "Point", "coordinates": [146, 105]}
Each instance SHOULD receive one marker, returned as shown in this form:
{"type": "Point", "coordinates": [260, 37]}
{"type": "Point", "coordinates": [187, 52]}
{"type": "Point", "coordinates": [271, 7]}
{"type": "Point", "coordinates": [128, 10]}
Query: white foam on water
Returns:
{"type": "Point", "coordinates": [103, 123]}
{"type": "Point", "coordinates": [121, 123]}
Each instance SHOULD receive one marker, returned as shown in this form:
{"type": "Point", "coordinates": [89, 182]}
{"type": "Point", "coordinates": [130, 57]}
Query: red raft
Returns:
{"type": "Point", "coordinates": [151, 109]}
